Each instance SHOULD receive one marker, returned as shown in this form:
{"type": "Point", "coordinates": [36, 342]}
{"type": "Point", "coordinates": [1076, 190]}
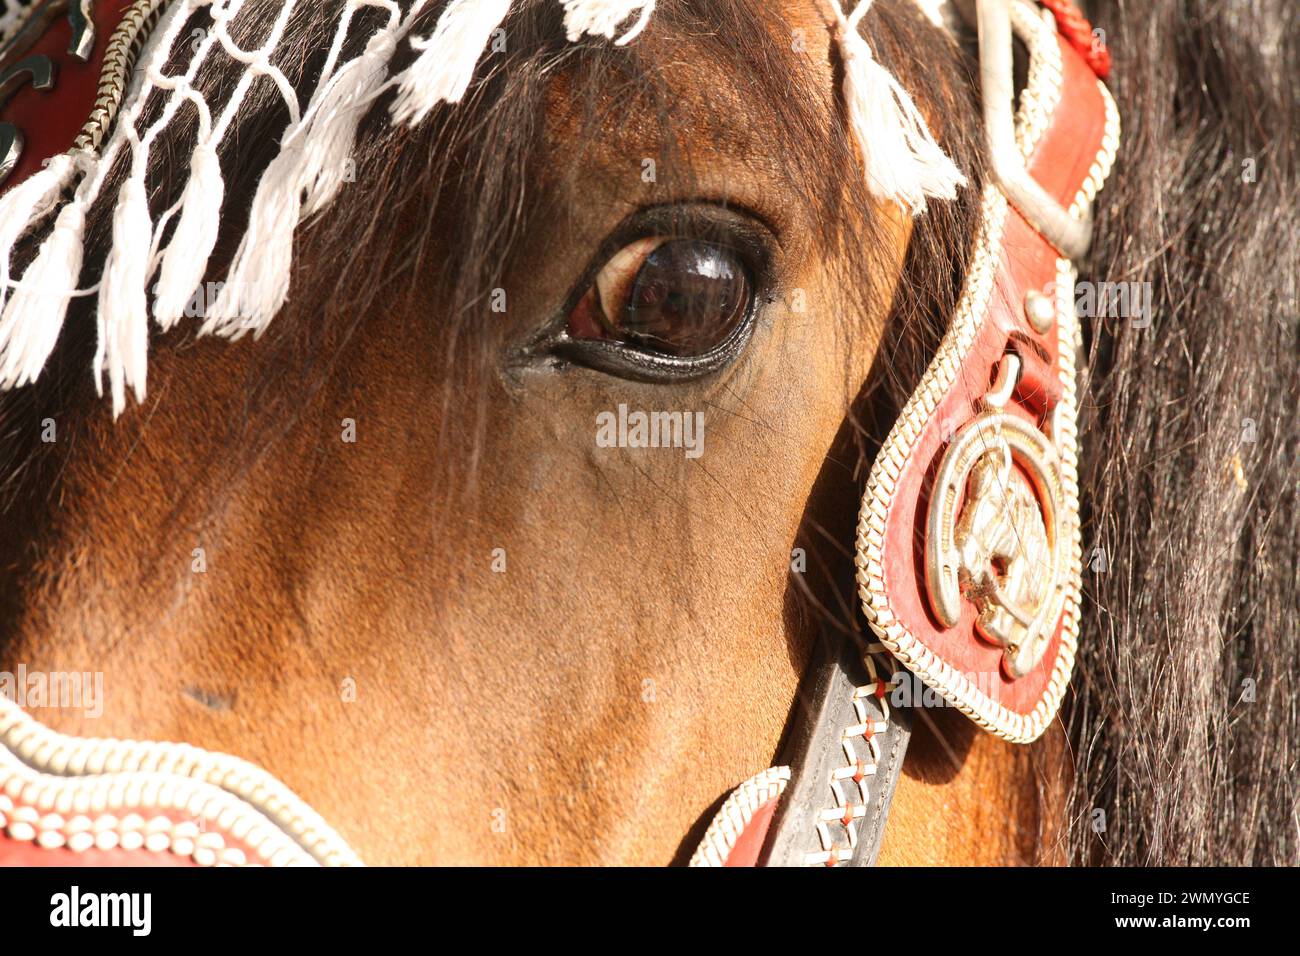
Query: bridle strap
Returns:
{"type": "Point", "coordinates": [834, 810]}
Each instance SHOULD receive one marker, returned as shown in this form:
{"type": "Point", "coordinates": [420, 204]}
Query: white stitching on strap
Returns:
{"type": "Point", "coordinates": [845, 813]}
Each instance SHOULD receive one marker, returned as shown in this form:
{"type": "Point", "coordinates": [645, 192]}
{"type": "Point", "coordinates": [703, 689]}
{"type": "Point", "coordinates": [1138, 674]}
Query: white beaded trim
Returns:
{"type": "Point", "coordinates": [1042, 95]}
{"type": "Point", "coordinates": [79, 833]}
{"type": "Point", "coordinates": [73, 776]}
{"type": "Point", "coordinates": [1101, 167]}
{"type": "Point", "coordinates": [736, 813]}
{"type": "Point", "coordinates": [1044, 88]}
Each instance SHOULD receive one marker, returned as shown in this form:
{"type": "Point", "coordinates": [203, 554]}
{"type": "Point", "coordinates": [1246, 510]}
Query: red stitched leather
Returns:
{"type": "Point", "coordinates": [1060, 163]}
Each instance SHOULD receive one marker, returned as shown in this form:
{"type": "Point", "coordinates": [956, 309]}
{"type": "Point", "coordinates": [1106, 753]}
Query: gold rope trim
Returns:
{"type": "Point", "coordinates": [124, 46]}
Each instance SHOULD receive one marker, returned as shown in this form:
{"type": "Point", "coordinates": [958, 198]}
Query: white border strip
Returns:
{"type": "Point", "coordinates": [736, 813]}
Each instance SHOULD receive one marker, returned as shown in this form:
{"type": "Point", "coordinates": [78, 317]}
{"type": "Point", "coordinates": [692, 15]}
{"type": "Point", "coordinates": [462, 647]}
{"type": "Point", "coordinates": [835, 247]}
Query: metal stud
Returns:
{"type": "Point", "coordinates": [1040, 311]}
{"type": "Point", "coordinates": [81, 17]}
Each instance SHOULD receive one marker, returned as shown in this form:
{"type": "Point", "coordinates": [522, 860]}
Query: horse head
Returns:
{"type": "Point", "coordinates": [491, 389]}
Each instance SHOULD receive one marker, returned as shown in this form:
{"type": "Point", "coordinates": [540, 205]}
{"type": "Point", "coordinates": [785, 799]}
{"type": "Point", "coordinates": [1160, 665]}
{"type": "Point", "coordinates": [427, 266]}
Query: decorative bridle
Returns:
{"type": "Point", "coordinates": [968, 542]}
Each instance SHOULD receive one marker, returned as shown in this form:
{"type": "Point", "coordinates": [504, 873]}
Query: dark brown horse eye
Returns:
{"type": "Point", "coordinates": [680, 297]}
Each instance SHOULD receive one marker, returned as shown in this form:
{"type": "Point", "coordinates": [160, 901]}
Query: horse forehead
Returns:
{"type": "Point", "coordinates": [809, 17]}
{"type": "Point", "coordinates": [714, 106]}
{"type": "Point", "coordinates": [808, 31]}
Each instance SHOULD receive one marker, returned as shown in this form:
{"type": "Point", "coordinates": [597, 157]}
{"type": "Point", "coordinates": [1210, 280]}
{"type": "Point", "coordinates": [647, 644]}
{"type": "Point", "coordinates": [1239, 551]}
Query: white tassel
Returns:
{"type": "Point", "coordinates": [123, 311]}
{"type": "Point", "coordinates": [258, 281]}
{"type": "Point", "coordinates": [27, 204]}
{"type": "Point", "coordinates": [903, 162]}
{"type": "Point", "coordinates": [303, 179]}
{"type": "Point", "coordinates": [445, 66]}
{"type": "Point", "coordinates": [185, 262]}
{"type": "Point", "coordinates": [331, 136]}
{"type": "Point", "coordinates": [603, 18]}
{"type": "Point", "coordinates": [33, 316]}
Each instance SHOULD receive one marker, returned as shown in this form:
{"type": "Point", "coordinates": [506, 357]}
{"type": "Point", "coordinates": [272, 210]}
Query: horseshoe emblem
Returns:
{"type": "Point", "coordinates": [997, 531]}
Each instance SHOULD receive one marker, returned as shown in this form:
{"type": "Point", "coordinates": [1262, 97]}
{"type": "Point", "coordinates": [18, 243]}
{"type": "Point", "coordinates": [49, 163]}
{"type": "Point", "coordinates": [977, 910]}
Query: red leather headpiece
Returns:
{"type": "Point", "coordinates": [968, 541]}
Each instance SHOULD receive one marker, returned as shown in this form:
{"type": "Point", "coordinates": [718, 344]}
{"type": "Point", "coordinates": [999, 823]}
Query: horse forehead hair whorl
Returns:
{"type": "Point", "coordinates": [904, 164]}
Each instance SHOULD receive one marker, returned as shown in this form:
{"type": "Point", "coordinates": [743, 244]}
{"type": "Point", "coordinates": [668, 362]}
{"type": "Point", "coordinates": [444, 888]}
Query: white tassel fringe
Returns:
{"type": "Point", "coordinates": [603, 18]}
{"type": "Point", "coordinates": [258, 281]}
{"type": "Point", "coordinates": [33, 316]}
{"type": "Point", "coordinates": [903, 162]}
{"type": "Point", "coordinates": [301, 181]}
{"type": "Point", "coordinates": [185, 262]}
{"type": "Point", "coordinates": [445, 66]}
{"type": "Point", "coordinates": [331, 137]}
{"type": "Point", "coordinates": [123, 312]}
{"type": "Point", "coordinates": [27, 204]}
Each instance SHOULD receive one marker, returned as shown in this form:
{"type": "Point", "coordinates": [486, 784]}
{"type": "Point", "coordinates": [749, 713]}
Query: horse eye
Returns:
{"type": "Point", "coordinates": [676, 297]}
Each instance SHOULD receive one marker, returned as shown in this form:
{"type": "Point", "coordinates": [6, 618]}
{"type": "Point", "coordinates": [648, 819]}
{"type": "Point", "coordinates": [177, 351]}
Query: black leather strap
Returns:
{"type": "Point", "coordinates": [817, 756]}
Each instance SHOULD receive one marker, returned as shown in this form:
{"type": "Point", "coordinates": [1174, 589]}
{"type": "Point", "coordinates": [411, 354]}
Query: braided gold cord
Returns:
{"type": "Point", "coordinates": [123, 47]}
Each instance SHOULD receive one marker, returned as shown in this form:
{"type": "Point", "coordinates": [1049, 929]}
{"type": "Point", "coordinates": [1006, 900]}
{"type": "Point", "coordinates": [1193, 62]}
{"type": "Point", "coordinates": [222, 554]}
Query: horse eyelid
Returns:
{"type": "Point", "coordinates": [727, 224]}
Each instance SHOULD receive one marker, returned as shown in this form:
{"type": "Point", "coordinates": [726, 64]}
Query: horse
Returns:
{"type": "Point", "coordinates": [376, 549]}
